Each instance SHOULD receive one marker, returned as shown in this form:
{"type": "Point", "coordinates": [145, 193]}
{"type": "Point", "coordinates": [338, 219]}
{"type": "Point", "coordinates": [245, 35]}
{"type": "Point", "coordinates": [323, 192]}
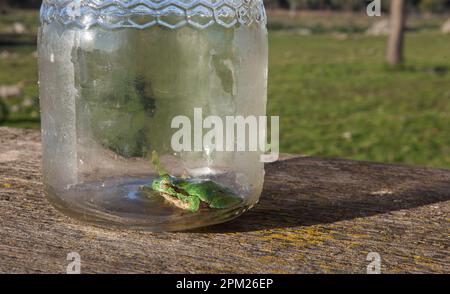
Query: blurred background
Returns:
{"type": "Point", "coordinates": [330, 81]}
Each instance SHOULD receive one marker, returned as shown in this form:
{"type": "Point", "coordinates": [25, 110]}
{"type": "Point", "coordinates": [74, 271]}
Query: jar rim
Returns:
{"type": "Point", "coordinates": [142, 14]}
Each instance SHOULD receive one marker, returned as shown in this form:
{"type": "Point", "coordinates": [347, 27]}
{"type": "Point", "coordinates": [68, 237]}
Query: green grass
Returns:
{"type": "Point", "coordinates": [21, 66]}
{"type": "Point", "coordinates": [344, 22]}
{"type": "Point", "coordinates": [337, 98]}
{"type": "Point", "coordinates": [29, 18]}
{"type": "Point", "coordinates": [334, 95]}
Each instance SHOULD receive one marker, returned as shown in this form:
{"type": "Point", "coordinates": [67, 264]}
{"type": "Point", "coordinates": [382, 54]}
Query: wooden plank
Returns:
{"type": "Point", "coordinates": [315, 216]}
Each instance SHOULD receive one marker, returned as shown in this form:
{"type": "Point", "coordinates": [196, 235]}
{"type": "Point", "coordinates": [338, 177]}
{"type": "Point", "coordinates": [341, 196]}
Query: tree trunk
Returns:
{"type": "Point", "coordinates": [3, 6]}
{"type": "Point", "coordinates": [397, 23]}
{"type": "Point", "coordinates": [292, 7]}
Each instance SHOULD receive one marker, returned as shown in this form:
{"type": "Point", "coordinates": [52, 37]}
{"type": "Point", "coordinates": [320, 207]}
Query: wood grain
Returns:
{"type": "Point", "coordinates": [315, 216]}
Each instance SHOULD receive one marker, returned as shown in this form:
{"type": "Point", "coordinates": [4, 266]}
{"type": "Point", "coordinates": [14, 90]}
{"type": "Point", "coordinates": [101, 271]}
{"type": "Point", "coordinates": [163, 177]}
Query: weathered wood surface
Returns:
{"type": "Point", "coordinates": [315, 216]}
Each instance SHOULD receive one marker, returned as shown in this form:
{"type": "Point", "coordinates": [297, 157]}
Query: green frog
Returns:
{"type": "Point", "coordinates": [191, 194]}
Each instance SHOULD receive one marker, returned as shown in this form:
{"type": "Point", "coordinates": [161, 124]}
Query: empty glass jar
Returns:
{"type": "Point", "coordinates": [120, 82]}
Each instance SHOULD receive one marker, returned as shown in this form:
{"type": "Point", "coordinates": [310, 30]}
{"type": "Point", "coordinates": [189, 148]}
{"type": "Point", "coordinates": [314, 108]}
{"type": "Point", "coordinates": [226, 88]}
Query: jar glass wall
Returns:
{"type": "Point", "coordinates": [118, 80]}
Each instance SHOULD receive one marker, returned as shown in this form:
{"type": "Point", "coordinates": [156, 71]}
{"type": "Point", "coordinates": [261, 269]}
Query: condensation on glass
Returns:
{"type": "Point", "coordinates": [114, 74]}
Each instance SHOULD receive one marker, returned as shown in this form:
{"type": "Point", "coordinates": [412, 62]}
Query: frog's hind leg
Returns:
{"type": "Point", "coordinates": [175, 201]}
{"type": "Point", "coordinates": [192, 204]}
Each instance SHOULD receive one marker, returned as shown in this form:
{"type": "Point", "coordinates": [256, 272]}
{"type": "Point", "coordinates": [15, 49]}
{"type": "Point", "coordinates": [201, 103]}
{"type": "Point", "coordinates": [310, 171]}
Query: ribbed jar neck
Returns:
{"type": "Point", "coordinates": [141, 14]}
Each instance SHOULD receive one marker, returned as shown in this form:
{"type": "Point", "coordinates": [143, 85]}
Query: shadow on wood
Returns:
{"type": "Point", "coordinates": [309, 191]}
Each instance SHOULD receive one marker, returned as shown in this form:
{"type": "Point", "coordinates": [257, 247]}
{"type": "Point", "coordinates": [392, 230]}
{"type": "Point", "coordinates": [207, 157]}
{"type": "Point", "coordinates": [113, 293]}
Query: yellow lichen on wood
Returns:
{"type": "Point", "coordinates": [425, 261]}
{"type": "Point", "coordinates": [300, 237]}
{"type": "Point", "coordinates": [276, 261]}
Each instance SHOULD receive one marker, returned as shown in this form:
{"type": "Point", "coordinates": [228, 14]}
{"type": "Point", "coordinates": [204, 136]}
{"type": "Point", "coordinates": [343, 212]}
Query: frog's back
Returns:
{"type": "Point", "coordinates": [215, 195]}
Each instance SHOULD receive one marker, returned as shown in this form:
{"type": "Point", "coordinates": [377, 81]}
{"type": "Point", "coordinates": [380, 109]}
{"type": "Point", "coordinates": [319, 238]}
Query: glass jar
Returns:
{"type": "Point", "coordinates": [120, 81]}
